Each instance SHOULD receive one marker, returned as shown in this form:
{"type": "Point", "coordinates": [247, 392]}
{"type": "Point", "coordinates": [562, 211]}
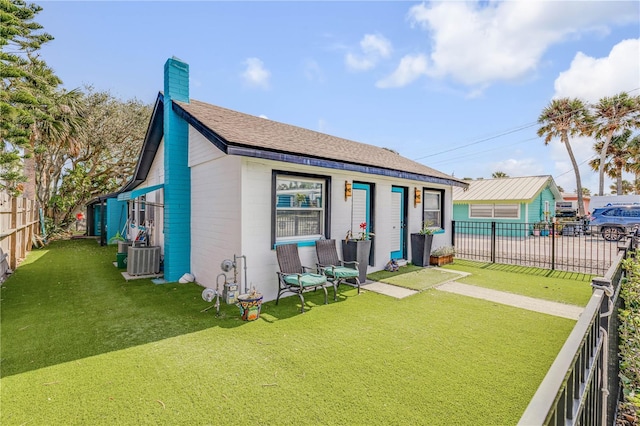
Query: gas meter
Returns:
{"type": "Point", "coordinates": [230, 293]}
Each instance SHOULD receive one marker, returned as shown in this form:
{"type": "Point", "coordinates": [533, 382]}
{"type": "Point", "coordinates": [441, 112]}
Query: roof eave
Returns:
{"type": "Point", "coordinates": [152, 139]}
{"type": "Point", "coordinates": [337, 165]}
{"type": "Point", "coordinates": [231, 148]}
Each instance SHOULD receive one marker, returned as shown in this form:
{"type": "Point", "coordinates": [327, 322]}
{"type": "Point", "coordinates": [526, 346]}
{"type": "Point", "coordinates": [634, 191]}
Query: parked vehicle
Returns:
{"type": "Point", "coordinates": [600, 201]}
{"type": "Point", "coordinates": [615, 222]}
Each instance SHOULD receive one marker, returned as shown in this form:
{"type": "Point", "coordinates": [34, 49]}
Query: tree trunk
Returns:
{"type": "Point", "coordinates": [30, 172]}
{"type": "Point", "coordinates": [603, 158]}
{"type": "Point", "coordinates": [619, 189]}
{"type": "Point", "coordinates": [576, 170]}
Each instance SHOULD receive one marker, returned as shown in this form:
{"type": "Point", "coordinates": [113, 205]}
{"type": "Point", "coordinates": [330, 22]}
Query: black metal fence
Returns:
{"type": "Point", "coordinates": [582, 387]}
{"type": "Point", "coordinates": [573, 248]}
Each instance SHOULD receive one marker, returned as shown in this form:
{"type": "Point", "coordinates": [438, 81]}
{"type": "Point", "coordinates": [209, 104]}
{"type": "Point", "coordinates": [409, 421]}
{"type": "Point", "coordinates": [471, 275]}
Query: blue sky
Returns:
{"type": "Point", "coordinates": [455, 85]}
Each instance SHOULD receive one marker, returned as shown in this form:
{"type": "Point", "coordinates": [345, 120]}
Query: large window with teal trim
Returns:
{"type": "Point", "coordinates": [299, 207]}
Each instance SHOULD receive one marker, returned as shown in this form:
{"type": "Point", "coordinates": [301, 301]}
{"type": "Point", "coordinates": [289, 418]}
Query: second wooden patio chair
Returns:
{"type": "Point", "coordinates": [336, 270]}
{"type": "Point", "coordinates": [295, 278]}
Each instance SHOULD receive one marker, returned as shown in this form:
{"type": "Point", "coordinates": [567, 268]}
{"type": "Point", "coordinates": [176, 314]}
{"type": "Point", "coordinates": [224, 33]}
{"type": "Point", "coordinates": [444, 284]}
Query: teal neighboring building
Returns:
{"type": "Point", "coordinates": [518, 200]}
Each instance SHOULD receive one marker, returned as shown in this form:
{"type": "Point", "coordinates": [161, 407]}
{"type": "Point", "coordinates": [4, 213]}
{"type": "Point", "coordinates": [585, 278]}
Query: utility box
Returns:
{"type": "Point", "coordinates": [123, 246]}
{"type": "Point", "coordinates": [121, 260]}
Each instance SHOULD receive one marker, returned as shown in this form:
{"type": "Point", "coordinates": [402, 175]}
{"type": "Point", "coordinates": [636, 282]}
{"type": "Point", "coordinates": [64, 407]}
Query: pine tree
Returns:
{"type": "Point", "coordinates": [26, 84]}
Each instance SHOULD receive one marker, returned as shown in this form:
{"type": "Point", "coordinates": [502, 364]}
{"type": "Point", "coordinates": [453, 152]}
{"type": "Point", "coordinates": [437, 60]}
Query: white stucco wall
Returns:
{"type": "Point", "coordinates": [215, 209]}
{"type": "Point", "coordinates": [231, 213]}
{"type": "Point", "coordinates": [256, 217]}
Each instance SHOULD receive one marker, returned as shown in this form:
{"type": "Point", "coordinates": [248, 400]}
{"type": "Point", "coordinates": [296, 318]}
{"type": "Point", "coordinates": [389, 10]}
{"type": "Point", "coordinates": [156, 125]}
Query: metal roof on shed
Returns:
{"type": "Point", "coordinates": [517, 189]}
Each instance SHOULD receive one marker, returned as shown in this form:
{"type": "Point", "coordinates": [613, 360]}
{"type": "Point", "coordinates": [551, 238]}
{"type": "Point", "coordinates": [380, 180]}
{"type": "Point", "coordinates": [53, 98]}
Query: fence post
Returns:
{"type": "Point", "coordinates": [609, 353]}
{"type": "Point", "coordinates": [453, 233]}
{"type": "Point", "coordinates": [493, 242]}
{"type": "Point", "coordinates": [553, 245]}
{"type": "Point", "coordinates": [13, 239]}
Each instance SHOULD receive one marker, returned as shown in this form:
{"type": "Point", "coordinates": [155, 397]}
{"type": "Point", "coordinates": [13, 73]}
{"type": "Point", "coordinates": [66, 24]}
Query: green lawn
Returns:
{"type": "Point", "coordinates": [418, 279]}
{"type": "Point", "coordinates": [557, 286]}
{"type": "Point", "coordinates": [82, 346]}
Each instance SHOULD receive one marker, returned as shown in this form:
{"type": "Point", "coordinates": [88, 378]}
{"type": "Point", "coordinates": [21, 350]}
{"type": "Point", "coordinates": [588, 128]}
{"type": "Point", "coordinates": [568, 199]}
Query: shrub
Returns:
{"type": "Point", "coordinates": [630, 334]}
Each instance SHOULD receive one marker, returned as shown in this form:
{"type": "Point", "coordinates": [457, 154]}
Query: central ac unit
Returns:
{"type": "Point", "coordinates": [143, 260]}
{"type": "Point", "coordinates": [123, 246]}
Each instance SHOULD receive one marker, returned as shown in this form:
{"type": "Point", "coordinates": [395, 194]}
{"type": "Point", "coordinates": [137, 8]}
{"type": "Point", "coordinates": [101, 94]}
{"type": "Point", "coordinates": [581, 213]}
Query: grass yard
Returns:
{"type": "Point", "coordinates": [82, 346]}
{"type": "Point", "coordinates": [557, 286]}
{"type": "Point", "coordinates": [414, 277]}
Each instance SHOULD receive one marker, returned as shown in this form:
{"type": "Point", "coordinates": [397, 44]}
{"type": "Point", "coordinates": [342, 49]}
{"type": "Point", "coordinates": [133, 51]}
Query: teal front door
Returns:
{"type": "Point", "coordinates": [361, 212]}
{"type": "Point", "coordinates": [398, 223]}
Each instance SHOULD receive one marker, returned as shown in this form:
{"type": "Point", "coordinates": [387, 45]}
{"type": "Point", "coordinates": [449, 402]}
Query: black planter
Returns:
{"type": "Point", "coordinates": [420, 249]}
{"type": "Point", "coordinates": [358, 251]}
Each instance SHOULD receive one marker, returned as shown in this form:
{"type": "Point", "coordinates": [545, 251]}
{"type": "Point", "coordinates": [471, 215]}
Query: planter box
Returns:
{"type": "Point", "coordinates": [420, 249]}
{"type": "Point", "coordinates": [441, 260]}
{"type": "Point", "coordinates": [358, 251]}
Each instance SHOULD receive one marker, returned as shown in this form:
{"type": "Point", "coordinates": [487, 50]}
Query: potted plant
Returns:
{"type": "Point", "coordinates": [536, 229]}
{"type": "Point", "coordinates": [541, 229]}
{"type": "Point", "coordinates": [358, 250]}
{"type": "Point", "coordinates": [421, 245]}
{"type": "Point", "coordinates": [442, 255]}
{"type": "Point", "coordinates": [250, 305]}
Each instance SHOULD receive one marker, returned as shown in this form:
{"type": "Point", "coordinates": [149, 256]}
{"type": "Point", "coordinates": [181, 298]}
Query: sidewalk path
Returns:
{"type": "Point", "coordinates": [523, 302]}
{"type": "Point", "coordinates": [388, 289]}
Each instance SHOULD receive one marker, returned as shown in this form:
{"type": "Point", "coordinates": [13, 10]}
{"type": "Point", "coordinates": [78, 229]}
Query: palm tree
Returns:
{"type": "Point", "coordinates": [498, 175]}
{"type": "Point", "coordinates": [627, 188]}
{"type": "Point", "coordinates": [54, 142]}
{"type": "Point", "coordinates": [614, 115]}
{"type": "Point", "coordinates": [40, 85]}
{"type": "Point", "coordinates": [563, 118]}
{"type": "Point", "coordinates": [634, 164]}
{"type": "Point", "coordinates": [618, 158]}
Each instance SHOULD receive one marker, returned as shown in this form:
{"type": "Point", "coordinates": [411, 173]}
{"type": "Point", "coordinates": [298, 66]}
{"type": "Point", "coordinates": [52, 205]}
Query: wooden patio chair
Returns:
{"type": "Point", "coordinates": [295, 278]}
{"type": "Point", "coordinates": [337, 271]}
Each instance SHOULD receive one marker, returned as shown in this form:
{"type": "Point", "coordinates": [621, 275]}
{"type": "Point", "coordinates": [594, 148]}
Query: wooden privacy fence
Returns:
{"type": "Point", "coordinates": [18, 227]}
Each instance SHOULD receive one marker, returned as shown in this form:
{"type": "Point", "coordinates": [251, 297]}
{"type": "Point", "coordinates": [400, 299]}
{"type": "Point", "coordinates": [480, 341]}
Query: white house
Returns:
{"type": "Point", "coordinates": [216, 182]}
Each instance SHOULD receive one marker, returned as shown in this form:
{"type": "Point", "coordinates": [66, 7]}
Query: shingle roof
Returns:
{"type": "Point", "coordinates": [243, 130]}
{"type": "Point", "coordinates": [505, 189]}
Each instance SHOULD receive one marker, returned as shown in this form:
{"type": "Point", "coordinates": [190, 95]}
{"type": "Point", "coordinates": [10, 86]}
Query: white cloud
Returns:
{"type": "Point", "coordinates": [591, 78]}
{"type": "Point", "coordinates": [358, 63]}
{"type": "Point", "coordinates": [376, 45]}
{"type": "Point", "coordinates": [478, 44]}
{"type": "Point", "coordinates": [374, 48]}
{"type": "Point", "coordinates": [411, 67]}
{"type": "Point", "coordinates": [256, 75]}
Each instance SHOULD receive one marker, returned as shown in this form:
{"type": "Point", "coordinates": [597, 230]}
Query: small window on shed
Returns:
{"type": "Point", "coordinates": [480, 211]}
{"type": "Point", "coordinates": [506, 211]}
{"type": "Point", "coordinates": [494, 211]}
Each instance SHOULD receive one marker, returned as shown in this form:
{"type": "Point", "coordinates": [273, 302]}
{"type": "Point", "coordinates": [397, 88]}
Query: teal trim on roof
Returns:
{"type": "Point", "coordinates": [125, 196]}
